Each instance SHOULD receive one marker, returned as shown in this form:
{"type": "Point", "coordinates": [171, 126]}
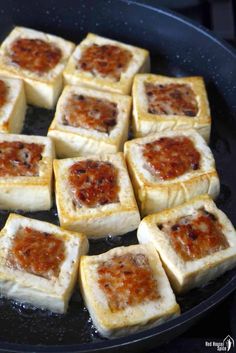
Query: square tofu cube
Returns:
{"type": "Point", "coordinates": [12, 105]}
{"type": "Point", "coordinates": [166, 103]}
{"type": "Point", "coordinates": [196, 242]}
{"type": "Point", "coordinates": [94, 195]}
{"type": "Point", "coordinates": [39, 262]}
{"type": "Point", "coordinates": [25, 172]}
{"type": "Point", "coordinates": [90, 122]}
{"type": "Point", "coordinates": [169, 168]}
{"type": "Point", "coordinates": [39, 60]}
{"type": "Point", "coordinates": [126, 290]}
{"type": "Point", "coordinates": [106, 64]}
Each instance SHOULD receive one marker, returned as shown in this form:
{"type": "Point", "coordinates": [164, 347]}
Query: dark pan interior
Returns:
{"type": "Point", "coordinates": [178, 48]}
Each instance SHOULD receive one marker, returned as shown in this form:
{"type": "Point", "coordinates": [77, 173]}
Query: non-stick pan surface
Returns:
{"type": "Point", "coordinates": [178, 48]}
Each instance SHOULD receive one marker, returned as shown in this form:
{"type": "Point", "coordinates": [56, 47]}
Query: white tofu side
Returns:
{"type": "Point", "coordinates": [185, 275]}
{"type": "Point", "coordinates": [140, 62]}
{"type": "Point", "coordinates": [154, 194]}
{"type": "Point", "coordinates": [145, 123]}
{"type": "Point", "coordinates": [41, 90]}
{"type": "Point", "coordinates": [111, 219]}
{"type": "Point", "coordinates": [52, 294]}
{"type": "Point", "coordinates": [29, 193]}
{"type": "Point", "coordinates": [73, 142]}
{"type": "Point", "coordinates": [12, 113]}
{"type": "Point", "coordinates": [133, 318]}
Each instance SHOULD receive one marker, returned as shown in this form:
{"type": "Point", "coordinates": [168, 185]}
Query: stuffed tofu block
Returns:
{"type": "Point", "coordinates": [106, 64]}
{"type": "Point", "coordinates": [126, 290]}
{"type": "Point", "coordinates": [12, 105]}
{"type": "Point", "coordinates": [39, 262]}
{"type": "Point", "coordinates": [169, 168]}
{"type": "Point", "coordinates": [163, 103]}
{"type": "Point", "coordinates": [39, 59]}
{"type": "Point", "coordinates": [90, 122]}
{"type": "Point", "coordinates": [94, 195]}
{"type": "Point", "coordinates": [196, 242]}
{"type": "Point", "coordinates": [26, 172]}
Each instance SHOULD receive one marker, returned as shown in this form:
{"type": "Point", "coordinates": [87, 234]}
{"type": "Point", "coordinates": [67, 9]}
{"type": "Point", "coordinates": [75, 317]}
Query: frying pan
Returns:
{"type": "Point", "coordinates": [178, 47]}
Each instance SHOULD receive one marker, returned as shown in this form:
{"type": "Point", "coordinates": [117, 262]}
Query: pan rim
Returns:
{"type": "Point", "coordinates": [196, 311]}
{"type": "Point", "coordinates": [187, 21]}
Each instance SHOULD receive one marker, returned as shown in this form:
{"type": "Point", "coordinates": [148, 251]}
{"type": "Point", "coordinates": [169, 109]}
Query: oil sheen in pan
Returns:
{"type": "Point", "coordinates": [76, 326]}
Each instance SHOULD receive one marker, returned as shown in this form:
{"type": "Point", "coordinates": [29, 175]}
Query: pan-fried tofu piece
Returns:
{"type": "Point", "coordinates": [168, 103]}
{"type": "Point", "coordinates": [196, 242]}
{"type": "Point", "coordinates": [25, 172]}
{"type": "Point", "coordinates": [39, 60]}
{"type": "Point", "coordinates": [126, 290]}
{"type": "Point", "coordinates": [94, 195]}
{"type": "Point", "coordinates": [88, 121]}
{"type": "Point", "coordinates": [106, 64]}
{"type": "Point", "coordinates": [39, 262]}
{"type": "Point", "coordinates": [169, 168]}
{"type": "Point", "coordinates": [12, 105]}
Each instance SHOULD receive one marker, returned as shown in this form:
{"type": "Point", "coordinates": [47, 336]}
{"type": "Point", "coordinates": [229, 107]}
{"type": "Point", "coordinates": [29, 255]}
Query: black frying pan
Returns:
{"type": "Point", "coordinates": [179, 48]}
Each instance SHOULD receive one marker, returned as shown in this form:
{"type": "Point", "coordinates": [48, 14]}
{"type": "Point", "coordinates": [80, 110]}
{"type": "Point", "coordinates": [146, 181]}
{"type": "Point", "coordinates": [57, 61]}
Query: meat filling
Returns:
{"type": "Point", "coordinates": [37, 252]}
{"type": "Point", "coordinates": [171, 99]}
{"type": "Point", "coordinates": [20, 158]}
{"type": "Point", "coordinates": [127, 280]}
{"type": "Point", "coordinates": [106, 60]}
{"type": "Point", "coordinates": [196, 236]}
{"type": "Point", "coordinates": [90, 113]}
{"type": "Point", "coordinates": [3, 93]}
{"type": "Point", "coordinates": [171, 157]}
{"type": "Point", "coordinates": [35, 55]}
{"type": "Point", "coordinates": [93, 183]}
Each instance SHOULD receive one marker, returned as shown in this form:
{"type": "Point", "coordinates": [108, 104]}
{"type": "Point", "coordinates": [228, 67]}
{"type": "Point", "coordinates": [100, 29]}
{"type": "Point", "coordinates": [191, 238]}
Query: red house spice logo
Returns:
{"type": "Point", "coordinates": [221, 346]}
